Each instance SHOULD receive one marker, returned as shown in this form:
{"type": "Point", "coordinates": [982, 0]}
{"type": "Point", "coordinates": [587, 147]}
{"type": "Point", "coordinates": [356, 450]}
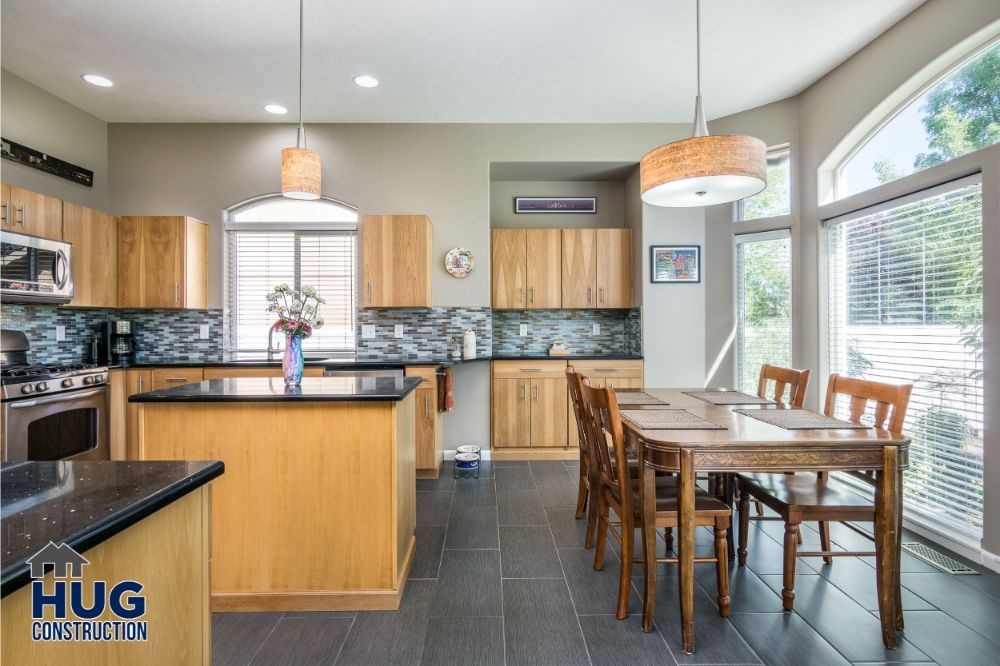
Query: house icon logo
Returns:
{"type": "Point", "coordinates": [59, 559]}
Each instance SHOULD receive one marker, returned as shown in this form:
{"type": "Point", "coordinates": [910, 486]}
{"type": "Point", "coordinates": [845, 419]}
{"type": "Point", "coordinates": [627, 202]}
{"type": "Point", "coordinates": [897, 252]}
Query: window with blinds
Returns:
{"type": "Point", "coordinates": [763, 304]}
{"type": "Point", "coordinates": [905, 306]}
{"type": "Point", "coordinates": [301, 244]}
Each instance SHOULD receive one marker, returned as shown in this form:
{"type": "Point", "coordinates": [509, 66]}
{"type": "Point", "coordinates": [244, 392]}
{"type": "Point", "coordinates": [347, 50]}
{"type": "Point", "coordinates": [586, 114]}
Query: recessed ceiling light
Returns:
{"type": "Point", "coordinates": [98, 80]}
{"type": "Point", "coordinates": [276, 109]}
{"type": "Point", "coordinates": [366, 80]}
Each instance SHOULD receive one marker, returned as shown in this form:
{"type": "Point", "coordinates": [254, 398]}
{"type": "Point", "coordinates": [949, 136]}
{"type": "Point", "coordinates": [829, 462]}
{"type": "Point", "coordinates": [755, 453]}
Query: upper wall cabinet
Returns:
{"type": "Point", "coordinates": [526, 267]}
{"type": "Point", "coordinates": [162, 262]}
{"type": "Point", "coordinates": [32, 213]}
{"type": "Point", "coordinates": [396, 261]}
{"type": "Point", "coordinates": [596, 268]}
{"type": "Point", "coordinates": [94, 235]}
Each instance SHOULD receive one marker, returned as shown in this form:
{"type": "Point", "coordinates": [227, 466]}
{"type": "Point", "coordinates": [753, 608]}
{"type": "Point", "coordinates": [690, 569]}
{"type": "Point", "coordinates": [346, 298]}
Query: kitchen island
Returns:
{"type": "Point", "coordinates": [317, 508]}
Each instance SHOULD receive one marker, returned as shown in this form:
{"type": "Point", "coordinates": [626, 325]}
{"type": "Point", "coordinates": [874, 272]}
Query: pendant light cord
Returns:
{"type": "Point", "coordinates": [700, 127]}
{"type": "Point", "coordinates": [300, 138]}
{"type": "Point", "coordinates": [697, 33]}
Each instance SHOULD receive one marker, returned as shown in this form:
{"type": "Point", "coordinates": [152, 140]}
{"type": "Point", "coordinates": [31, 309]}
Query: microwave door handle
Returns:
{"type": "Point", "coordinates": [24, 404]}
{"type": "Point", "coordinates": [61, 269]}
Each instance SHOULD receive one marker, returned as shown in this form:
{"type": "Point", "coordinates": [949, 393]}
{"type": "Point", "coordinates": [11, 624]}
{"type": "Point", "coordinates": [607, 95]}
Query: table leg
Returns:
{"type": "Point", "coordinates": [899, 549]}
{"type": "Point", "coordinates": [686, 556]}
{"type": "Point", "coordinates": [886, 543]}
{"type": "Point", "coordinates": [647, 495]}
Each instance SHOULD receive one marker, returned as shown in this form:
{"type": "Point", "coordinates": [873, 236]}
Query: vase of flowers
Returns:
{"type": "Point", "coordinates": [298, 317]}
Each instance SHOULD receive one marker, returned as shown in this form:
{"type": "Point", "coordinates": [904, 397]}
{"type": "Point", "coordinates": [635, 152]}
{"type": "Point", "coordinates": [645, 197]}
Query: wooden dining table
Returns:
{"type": "Point", "coordinates": [750, 445]}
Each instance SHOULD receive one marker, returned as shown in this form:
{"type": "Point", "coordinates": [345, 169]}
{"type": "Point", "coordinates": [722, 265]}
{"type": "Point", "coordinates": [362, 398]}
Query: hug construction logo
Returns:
{"type": "Point", "coordinates": [77, 604]}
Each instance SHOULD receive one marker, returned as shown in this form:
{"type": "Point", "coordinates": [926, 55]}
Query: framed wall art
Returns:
{"type": "Point", "coordinates": [555, 205]}
{"type": "Point", "coordinates": [675, 263]}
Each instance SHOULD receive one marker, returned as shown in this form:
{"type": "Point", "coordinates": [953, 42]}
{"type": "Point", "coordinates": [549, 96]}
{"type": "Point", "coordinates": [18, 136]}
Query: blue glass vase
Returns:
{"type": "Point", "coordinates": [294, 362]}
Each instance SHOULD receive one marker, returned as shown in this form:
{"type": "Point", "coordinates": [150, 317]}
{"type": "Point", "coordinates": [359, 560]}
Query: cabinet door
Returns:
{"type": "Point", "coordinates": [194, 252]}
{"type": "Point", "coordinates": [162, 262]}
{"type": "Point", "coordinates": [117, 408]}
{"type": "Point", "coordinates": [579, 268]}
{"type": "Point", "coordinates": [136, 381]}
{"type": "Point", "coordinates": [36, 214]}
{"type": "Point", "coordinates": [426, 426]}
{"type": "Point", "coordinates": [544, 260]}
{"type": "Point", "coordinates": [509, 269]}
{"type": "Point", "coordinates": [548, 412]}
{"type": "Point", "coordinates": [6, 210]}
{"type": "Point", "coordinates": [130, 275]}
{"type": "Point", "coordinates": [396, 261]}
{"type": "Point", "coordinates": [511, 413]}
{"type": "Point", "coordinates": [94, 236]}
{"type": "Point", "coordinates": [169, 377]}
{"type": "Point", "coordinates": [614, 268]}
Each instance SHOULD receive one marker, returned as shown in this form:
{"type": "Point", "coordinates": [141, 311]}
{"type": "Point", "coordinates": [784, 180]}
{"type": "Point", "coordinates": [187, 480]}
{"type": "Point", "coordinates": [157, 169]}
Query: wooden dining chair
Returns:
{"type": "Point", "coordinates": [585, 494]}
{"type": "Point", "coordinates": [616, 487]}
{"type": "Point", "coordinates": [809, 496]}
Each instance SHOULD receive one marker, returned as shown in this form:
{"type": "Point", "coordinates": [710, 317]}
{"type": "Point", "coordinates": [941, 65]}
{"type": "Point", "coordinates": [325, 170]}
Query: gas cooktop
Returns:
{"type": "Point", "coordinates": [23, 380]}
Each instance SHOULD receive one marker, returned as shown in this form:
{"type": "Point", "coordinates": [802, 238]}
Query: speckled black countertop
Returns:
{"type": "Point", "coordinates": [83, 503]}
{"type": "Point", "coordinates": [355, 364]}
{"type": "Point", "coordinates": [273, 389]}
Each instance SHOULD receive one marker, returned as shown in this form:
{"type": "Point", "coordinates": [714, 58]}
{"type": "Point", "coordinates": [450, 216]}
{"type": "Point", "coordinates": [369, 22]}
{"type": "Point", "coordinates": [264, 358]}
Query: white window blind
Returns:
{"type": "Point", "coordinates": [905, 306]}
{"type": "Point", "coordinates": [301, 244]}
{"type": "Point", "coordinates": [763, 304]}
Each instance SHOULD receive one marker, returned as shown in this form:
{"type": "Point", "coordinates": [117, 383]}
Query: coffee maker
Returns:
{"type": "Point", "coordinates": [116, 344]}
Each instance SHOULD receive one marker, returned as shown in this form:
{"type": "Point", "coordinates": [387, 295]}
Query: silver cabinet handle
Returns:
{"type": "Point", "coordinates": [427, 409]}
{"type": "Point", "coordinates": [532, 294]}
{"type": "Point", "coordinates": [369, 292]}
{"type": "Point", "coordinates": [524, 392]}
{"type": "Point", "coordinates": [536, 392]}
{"type": "Point", "coordinates": [177, 292]}
{"type": "Point", "coordinates": [590, 294]}
{"type": "Point", "coordinates": [3, 205]}
{"type": "Point", "coordinates": [605, 369]}
{"type": "Point", "coordinates": [531, 369]}
{"type": "Point", "coordinates": [176, 379]}
{"type": "Point", "coordinates": [600, 294]}
{"type": "Point", "coordinates": [140, 383]}
{"type": "Point", "coordinates": [520, 294]}
{"type": "Point", "coordinates": [20, 210]}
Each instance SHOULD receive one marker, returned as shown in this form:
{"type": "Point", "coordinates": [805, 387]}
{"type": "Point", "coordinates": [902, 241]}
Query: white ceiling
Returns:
{"type": "Point", "coordinates": [437, 60]}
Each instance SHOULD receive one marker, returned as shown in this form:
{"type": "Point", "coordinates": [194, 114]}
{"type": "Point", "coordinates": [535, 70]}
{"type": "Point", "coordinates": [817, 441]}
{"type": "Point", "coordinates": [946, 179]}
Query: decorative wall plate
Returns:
{"type": "Point", "coordinates": [459, 262]}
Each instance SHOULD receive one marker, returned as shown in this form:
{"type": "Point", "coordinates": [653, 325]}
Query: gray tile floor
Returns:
{"type": "Point", "coordinates": [500, 576]}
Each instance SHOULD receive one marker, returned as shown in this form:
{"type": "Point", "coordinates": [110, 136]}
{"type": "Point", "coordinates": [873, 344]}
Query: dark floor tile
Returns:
{"type": "Point", "coordinates": [907, 564]}
{"type": "Point", "coordinates": [528, 552]}
{"type": "Point", "coordinates": [557, 491]}
{"type": "Point", "coordinates": [776, 530]}
{"type": "Point", "coordinates": [475, 492]}
{"type": "Point", "coordinates": [391, 637]}
{"type": "Point", "coordinates": [614, 642]}
{"type": "Point", "coordinates": [849, 628]}
{"type": "Point", "coordinates": [445, 482]}
{"type": "Point", "coordinates": [568, 531]}
{"type": "Point", "coordinates": [548, 467]}
{"type": "Point", "coordinates": [785, 639]}
{"type": "Point", "coordinates": [975, 610]}
{"type": "Point", "coordinates": [514, 478]}
{"type": "Point", "coordinates": [747, 592]}
{"type": "Point", "coordinates": [497, 464]}
{"type": "Point", "coordinates": [313, 615]}
{"type": "Point", "coordinates": [434, 508]}
{"type": "Point", "coordinates": [766, 556]}
{"type": "Point", "coordinates": [948, 641]}
{"type": "Point", "coordinates": [595, 592]}
{"type": "Point", "coordinates": [236, 637]}
{"type": "Point", "coordinates": [521, 507]}
{"type": "Point", "coordinates": [540, 625]}
{"type": "Point", "coordinates": [427, 557]}
{"type": "Point", "coordinates": [304, 641]}
{"type": "Point", "coordinates": [468, 585]}
{"type": "Point", "coordinates": [716, 640]}
{"type": "Point", "coordinates": [472, 527]}
{"type": "Point", "coordinates": [461, 641]}
{"type": "Point", "coordinates": [857, 580]}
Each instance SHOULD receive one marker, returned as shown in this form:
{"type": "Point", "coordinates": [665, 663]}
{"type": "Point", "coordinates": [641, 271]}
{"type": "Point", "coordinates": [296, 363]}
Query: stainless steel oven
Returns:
{"type": "Point", "coordinates": [72, 425]}
{"type": "Point", "coordinates": [35, 270]}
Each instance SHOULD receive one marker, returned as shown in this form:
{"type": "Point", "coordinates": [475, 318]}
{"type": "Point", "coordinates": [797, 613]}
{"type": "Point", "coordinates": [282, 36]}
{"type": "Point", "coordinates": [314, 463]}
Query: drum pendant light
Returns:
{"type": "Point", "coordinates": [704, 170]}
{"type": "Point", "coordinates": [301, 174]}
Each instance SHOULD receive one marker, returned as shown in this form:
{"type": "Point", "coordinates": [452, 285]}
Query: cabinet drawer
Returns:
{"type": "Point", "coordinates": [168, 377]}
{"type": "Point", "coordinates": [428, 373]}
{"type": "Point", "coordinates": [609, 368]}
{"type": "Point", "coordinates": [527, 369]}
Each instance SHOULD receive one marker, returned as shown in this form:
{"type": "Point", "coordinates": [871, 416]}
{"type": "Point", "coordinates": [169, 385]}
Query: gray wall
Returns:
{"type": "Point", "coordinates": [34, 118]}
{"type": "Point", "coordinates": [610, 203]}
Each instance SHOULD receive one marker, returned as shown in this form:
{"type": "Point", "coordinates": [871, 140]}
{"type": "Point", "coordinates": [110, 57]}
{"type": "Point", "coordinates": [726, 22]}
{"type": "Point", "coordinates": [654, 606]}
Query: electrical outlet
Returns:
{"type": "Point", "coordinates": [368, 331]}
{"type": "Point", "coordinates": [397, 330]}
{"type": "Point", "coordinates": [596, 329]}
{"type": "Point", "coordinates": [523, 331]}
{"type": "Point", "coordinates": [60, 333]}
{"type": "Point", "coordinates": [203, 332]}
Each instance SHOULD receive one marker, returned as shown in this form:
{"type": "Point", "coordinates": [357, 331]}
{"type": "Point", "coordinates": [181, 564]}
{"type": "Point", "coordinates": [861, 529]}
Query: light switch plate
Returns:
{"type": "Point", "coordinates": [203, 332]}
{"type": "Point", "coordinates": [597, 329]}
{"type": "Point", "coordinates": [368, 331]}
{"type": "Point", "coordinates": [523, 331]}
{"type": "Point", "coordinates": [397, 330]}
{"type": "Point", "coordinates": [60, 333]}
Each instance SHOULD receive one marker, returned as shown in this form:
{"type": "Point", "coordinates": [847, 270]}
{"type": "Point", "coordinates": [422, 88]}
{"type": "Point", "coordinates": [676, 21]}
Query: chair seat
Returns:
{"type": "Point", "coordinates": [803, 490]}
{"type": "Point", "coordinates": [666, 498]}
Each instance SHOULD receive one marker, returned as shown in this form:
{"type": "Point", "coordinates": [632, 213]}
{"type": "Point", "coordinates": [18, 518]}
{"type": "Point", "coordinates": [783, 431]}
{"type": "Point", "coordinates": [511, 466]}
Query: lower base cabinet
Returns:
{"type": "Point", "coordinates": [429, 430]}
{"type": "Point", "coordinates": [616, 374]}
{"type": "Point", "coordinates": [528, 402]}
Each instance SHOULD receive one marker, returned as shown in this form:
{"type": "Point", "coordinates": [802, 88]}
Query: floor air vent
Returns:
{"type": "Point", "coordinates": [936, 559]}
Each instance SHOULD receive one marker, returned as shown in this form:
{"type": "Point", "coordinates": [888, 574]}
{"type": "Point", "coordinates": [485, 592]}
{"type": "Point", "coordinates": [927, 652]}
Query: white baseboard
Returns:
{"type": "Point", "coordinates": [485, 454]}
{"type": "Point", "coordinates": [990, 560]}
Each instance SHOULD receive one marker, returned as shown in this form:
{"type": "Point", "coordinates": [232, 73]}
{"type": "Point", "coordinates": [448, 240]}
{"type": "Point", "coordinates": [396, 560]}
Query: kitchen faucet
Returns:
{"type": "Point", "coordinates": [271, 351]}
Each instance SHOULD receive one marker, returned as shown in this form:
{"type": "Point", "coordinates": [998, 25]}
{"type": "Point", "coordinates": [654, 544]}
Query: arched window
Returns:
{"type": "Point", "coordinates": [273, 240]}
{"type": "Point", "coordinates": [955, 115]}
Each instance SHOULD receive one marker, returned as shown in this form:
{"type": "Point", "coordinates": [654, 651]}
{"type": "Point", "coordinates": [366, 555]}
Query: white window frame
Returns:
{"type": "Point", "coordinates": [738, 204]}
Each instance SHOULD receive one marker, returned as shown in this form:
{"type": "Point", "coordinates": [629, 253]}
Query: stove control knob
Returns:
{"type": "Point", "coordinates": [67, 383]}
{"type": "Point", "coordinates": [98, 379]}
{"type": "Point", "coordinates": [88, 380]}
{"type": "Point", "coordinates": [41, 386]}
{"type": "Point", "coordinates": [27, 388]}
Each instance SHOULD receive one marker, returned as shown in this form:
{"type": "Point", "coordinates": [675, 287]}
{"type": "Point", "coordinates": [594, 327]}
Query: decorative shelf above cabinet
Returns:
{"type": "Point", "coordinates": [396, 261]}
{"type": "Point", "coordinates": [162, 262]}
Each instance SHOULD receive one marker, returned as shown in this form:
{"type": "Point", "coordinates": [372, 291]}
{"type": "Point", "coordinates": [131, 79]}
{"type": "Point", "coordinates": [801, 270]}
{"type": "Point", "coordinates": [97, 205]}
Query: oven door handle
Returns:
{"type": "Point", "coordinates": [59, 397]}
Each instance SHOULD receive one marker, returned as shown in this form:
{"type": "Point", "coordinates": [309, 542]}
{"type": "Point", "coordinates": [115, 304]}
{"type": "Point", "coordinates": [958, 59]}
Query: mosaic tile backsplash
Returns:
{"type": "Point", "coordinates": [428, 333]}
{"type": "Point", "coordinates": [621, 331]}
{"type": "Point", "coordinates": [161, 335]}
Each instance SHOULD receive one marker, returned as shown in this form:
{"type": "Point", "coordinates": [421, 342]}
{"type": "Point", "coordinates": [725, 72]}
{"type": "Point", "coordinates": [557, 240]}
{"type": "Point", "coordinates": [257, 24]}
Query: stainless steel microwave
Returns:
{"type": "Point", "coordinates": [35, 270]}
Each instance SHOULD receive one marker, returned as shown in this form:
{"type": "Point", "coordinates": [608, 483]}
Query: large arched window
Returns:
{"type": "Point", "coordinates": [955, 115]}
{"type": "Point", "coordinates": [273, 240]}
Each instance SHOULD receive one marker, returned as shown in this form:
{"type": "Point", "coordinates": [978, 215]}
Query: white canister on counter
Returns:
{"type": "Point", "coordinates": [469, 345]}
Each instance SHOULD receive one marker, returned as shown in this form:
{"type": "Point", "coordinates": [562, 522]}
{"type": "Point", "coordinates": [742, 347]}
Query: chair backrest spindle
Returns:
{"type": "Point", "coordinates": [796, 381]}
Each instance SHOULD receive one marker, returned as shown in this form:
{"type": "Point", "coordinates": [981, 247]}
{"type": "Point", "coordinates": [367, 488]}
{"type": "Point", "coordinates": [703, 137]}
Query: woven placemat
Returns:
{"type": "Point", "coordinates": [797, 419]}
{"type": "Point", "coordinates": [668, 419]}
{"type": "Point", "coordinates": [637, 398]}
{"type": "Point", "coordinates": [729, 398]}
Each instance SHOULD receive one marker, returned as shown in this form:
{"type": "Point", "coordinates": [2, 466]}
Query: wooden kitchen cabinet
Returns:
{"type": "Point", "coordinates": [528, 404]}
{"type": "Point", "coordinates": [6, 216]}
{"type": "Point", "coordinates": [579, 268]}
{"type": "Point", "coordinates": [511, 413]}
{"type": "Point", "coordinates": [597, 268]}
{"type": "Point", "coordinates": [622, 374]}
{"type": "Point", "coordinates": [509, 268]}
{"type": "Point", "coordinates": [163, 378]}
{"type": "Point", "coordinates": [137, 380]}
{"type": "Point", "coordinates": [28, 212]}
{"type": "Point", "coordinates": [429, 429]}
{"type": "Point", "coordinates": [527, 268]}
{"type": "Point", "coordinates": [94, 235]}
{"type": "Point", "coordinates": [544, 262]}
{"type": "Point", "coordinates": [162, 262]}
{"type": "Point", "coordinates": [396, 261]}
{"type": "Point", "coordinates": [548, 418]}
{"type": "Point", "coordinates": [117, 408]}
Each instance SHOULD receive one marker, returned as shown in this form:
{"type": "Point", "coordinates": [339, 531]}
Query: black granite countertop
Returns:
{"type": "Point", "coordinates": [570, 357]}
{"type": "Point", "coordinates": [83, 503]}
{"type": "Point", "coordinates": [273, 389]}
{"type": "Point", "coordinates": [363, 364]}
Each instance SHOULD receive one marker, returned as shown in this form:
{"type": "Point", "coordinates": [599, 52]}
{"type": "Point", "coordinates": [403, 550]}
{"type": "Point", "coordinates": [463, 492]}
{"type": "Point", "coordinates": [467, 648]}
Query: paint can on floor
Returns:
{"type": "Point", "coordinates": [467, 460]}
